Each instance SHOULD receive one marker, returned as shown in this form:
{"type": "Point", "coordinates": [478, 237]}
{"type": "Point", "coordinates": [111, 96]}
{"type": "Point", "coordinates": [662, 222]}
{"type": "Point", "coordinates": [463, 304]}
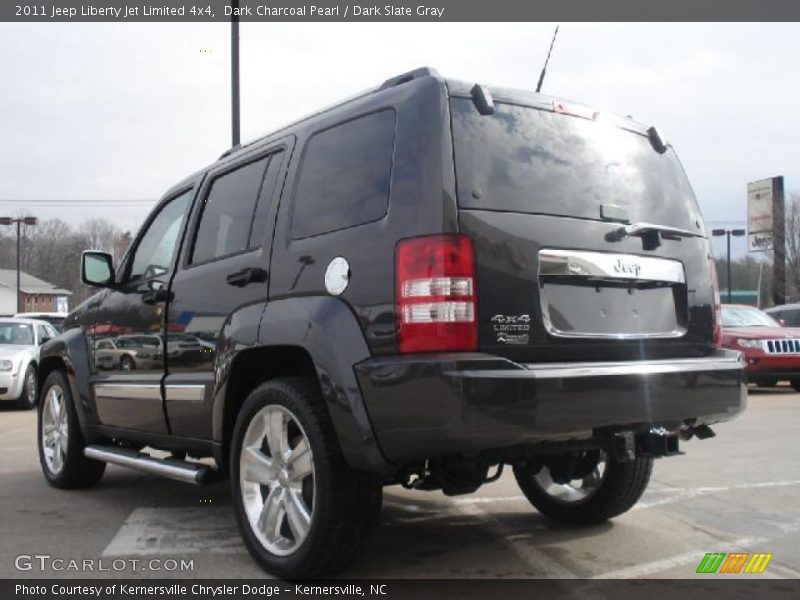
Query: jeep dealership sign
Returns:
{"type": "Point", "coordinates": [761, 207]}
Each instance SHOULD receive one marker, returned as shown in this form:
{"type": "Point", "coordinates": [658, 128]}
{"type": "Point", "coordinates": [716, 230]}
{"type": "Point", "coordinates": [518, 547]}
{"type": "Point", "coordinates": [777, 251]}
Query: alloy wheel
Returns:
{"type": "Point", "coordinates": [55, 429]}
{"type": "Point", "coordinates": [575, 491]}
{"type": "Point", "coordinates": [30, 386]}
{"type": "Point", "coordinates": [276, 476]}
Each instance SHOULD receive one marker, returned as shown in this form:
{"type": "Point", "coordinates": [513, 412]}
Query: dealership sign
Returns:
{"type": "Point", "coordinates": [760, 214]}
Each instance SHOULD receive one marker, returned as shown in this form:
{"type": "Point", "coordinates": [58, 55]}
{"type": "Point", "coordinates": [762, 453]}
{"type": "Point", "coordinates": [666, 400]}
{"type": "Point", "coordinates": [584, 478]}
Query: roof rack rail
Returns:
{"type": "Point", "coordinates": [410, 76]}
{"type": "Point", "coordinates": [230, 151]}
{"type": "Point", "coordinates": [389, 83]}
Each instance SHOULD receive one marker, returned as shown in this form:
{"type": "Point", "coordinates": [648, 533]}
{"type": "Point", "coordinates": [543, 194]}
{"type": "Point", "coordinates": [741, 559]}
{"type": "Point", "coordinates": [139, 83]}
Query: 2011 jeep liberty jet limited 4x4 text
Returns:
{"type": "Point", "coordinates": [417, 286]}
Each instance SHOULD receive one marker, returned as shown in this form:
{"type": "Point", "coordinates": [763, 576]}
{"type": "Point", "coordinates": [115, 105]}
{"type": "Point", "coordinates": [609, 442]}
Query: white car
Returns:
{"type": "Point", "coordinates": [56, 319]}
{"type": "Point", "coordinates": [20, 340]}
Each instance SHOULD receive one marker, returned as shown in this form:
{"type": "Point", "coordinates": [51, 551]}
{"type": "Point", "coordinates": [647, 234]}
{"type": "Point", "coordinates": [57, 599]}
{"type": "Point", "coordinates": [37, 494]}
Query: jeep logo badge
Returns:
{"type": "Point", "coordinates": [627, 268]}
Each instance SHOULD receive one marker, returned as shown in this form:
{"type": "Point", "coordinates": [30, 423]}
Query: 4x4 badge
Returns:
{"type": "Point", "coordinates": [337, 276]}
{"type": "Point", "coordinates": [512, 329]}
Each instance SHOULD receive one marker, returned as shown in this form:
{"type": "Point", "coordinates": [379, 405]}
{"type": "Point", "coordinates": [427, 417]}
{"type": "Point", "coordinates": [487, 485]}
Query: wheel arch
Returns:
{"type": "Point", "coordinates": [69, 353]}
{"type": "Point", "coordinates": [318, 337]}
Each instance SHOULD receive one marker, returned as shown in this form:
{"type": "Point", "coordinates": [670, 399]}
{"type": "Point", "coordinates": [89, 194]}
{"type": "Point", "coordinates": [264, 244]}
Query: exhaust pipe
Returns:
{"type": "Point", "coordinates": [180, 470]}
{"type": "Point", "coordinates": [703, 432]}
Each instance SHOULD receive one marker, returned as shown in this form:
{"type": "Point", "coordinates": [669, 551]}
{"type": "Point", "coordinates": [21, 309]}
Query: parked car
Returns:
{"type": "Point", "coordinates": [126, 354]}
{"type": "Point", "coordinates": [56, 319]}
{"type": "Point", "coordinates": [19, 357]}
{"type": "Point", "coordinates": [785, 314]}
{"type": "Point", "coordinates": [186, 348]}
{"type": "Point", "coordinates": [418, 286]}
{"type": "Point", "coordinates": [772, 351]}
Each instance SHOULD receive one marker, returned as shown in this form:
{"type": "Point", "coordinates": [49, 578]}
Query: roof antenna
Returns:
{"type": "Point", "coordinates": [547, 60]}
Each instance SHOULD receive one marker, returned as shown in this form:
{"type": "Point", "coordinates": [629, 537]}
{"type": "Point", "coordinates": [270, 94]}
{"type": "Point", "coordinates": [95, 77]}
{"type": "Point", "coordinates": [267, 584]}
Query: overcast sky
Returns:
{"type": "Point", "coordinates": [117, 113]}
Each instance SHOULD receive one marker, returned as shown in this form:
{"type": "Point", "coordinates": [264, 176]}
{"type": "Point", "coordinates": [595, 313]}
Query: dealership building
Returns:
{"type": "Point", "coordinates": [36, 295]}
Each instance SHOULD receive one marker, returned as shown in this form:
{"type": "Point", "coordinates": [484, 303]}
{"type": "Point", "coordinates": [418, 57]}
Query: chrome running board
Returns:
{"type": "Point", "coordinates": [172, 468]}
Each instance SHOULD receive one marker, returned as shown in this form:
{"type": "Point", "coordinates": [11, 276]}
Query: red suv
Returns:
{"type": "Point", "coordinates": [772, 352]}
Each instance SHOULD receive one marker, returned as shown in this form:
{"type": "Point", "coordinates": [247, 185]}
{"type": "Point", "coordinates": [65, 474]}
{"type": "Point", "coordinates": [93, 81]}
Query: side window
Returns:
{"type": "Point", "coordinates": [227, 212]}
{"type": "Point", "coordinates": [345, 176]}
{"type": "Point", "coordinates": [41, 333]}
{"type": "Point", "coordinates": [155, 252]}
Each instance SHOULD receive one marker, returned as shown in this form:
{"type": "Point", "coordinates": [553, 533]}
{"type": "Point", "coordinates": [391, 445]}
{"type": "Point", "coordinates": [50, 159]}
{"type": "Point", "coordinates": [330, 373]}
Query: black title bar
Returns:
{"type": "Point", "coordinates": [709, 588]}
{"type": "Point", "coordinates": [42, 11]}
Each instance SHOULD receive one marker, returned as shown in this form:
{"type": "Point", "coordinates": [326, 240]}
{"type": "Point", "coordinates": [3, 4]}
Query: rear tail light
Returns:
{"type": "Point", "coordinates": [717, 304]}
{"type": "Point", "coordinates": [435, 289]}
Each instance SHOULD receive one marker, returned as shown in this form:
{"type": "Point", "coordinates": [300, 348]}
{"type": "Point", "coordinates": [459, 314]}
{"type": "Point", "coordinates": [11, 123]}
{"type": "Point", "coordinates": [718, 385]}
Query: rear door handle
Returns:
{"type": "Point", "coordinates": [155, 296]}
{"type": "Point", "coordinates": [246, 276]}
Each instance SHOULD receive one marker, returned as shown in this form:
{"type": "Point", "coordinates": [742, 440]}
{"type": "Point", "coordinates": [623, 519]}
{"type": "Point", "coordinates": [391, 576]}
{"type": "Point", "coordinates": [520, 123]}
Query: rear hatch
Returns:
{"type": "Point", "coordinates": [588, 239]}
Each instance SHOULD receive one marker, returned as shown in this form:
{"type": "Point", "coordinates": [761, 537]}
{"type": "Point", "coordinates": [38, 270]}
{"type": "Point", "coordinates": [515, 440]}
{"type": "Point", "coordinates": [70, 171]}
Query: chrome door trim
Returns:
{"type": "Point", "coordinates": [608, 265]}
{"type": "Point", "coordinates": [143, 391]}
{"type": "Point", "coordinates": [185, 392]}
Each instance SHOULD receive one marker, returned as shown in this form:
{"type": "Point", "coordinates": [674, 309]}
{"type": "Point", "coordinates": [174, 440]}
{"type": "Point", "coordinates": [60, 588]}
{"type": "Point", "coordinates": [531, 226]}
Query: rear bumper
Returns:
{"type": "Point", "coordinates": [424, 406]}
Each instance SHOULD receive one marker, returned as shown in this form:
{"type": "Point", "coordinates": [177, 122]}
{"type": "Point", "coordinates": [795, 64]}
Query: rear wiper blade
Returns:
{"type": "Point", "coordinates": [644, 228]}
{"type": "Point", "coordinates": [651, 233]}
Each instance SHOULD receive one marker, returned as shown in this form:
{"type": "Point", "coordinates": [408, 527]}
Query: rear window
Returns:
{"type": "Point", "coordinates": [529, 160]}
{"type": "Point", "coordinates": [345, 176]}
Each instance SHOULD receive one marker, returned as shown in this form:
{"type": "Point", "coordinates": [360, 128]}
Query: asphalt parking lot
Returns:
{"type": "Point", "coordinates": [737, 492]}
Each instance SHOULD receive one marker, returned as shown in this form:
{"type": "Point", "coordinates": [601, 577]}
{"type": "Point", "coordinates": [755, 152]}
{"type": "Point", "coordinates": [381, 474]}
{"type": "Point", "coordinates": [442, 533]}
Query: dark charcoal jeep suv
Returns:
{"type": "Point", "coordinates": [417, 286]}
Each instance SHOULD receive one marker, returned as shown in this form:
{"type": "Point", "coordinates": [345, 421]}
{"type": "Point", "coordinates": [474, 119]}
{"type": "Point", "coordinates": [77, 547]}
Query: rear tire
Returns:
{"type": "Point", "coordinates": [301, 510]}
{"type": "Point", "coordinates": [61, 442]}
{"type": "Point", "coordinates": [616, 491]}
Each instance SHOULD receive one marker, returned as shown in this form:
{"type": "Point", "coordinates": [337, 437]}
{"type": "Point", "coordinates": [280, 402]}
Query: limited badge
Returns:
{"type": "Point", "coordinates": [512, 329]}
{"type": "Point", "coordinates": [337, 276]}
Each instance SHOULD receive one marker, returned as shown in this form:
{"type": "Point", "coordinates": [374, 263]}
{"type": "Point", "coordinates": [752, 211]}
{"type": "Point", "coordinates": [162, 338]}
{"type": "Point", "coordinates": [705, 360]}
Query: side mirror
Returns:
{"type": "Point", "coordinates": [97, 268]}
{"type": "Point", "coordinates": [44, 339]}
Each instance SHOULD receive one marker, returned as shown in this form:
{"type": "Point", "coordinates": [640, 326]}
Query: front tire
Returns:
{"type": "Point", "coordinates": [61, 442]}
{"type": "Point", "coordinates": [27, 398]}
{"type": "Point", "coordinates": [301, 510]}
{"type": "Point", "coordinates": [606, 491]}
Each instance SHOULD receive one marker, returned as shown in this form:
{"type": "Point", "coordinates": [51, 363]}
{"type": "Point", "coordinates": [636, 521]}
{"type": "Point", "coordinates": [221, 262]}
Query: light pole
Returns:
{"type": "Point", "coordinates": [19, 222]}
{"type": "Point", "coordinates": [235, 126]}
{"type": "Point", "coordinates": [728, 233]}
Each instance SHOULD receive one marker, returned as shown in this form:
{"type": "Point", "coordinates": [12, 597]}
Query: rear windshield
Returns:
{"type": "Point", "coordinates": [529, 160]}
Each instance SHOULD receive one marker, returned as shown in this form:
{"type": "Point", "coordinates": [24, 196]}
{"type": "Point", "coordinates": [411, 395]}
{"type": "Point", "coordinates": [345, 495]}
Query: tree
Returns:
{"type": "Point", "coordinates": [52, 251]}
{"type": "Point", "coordinates": [792, 220]}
